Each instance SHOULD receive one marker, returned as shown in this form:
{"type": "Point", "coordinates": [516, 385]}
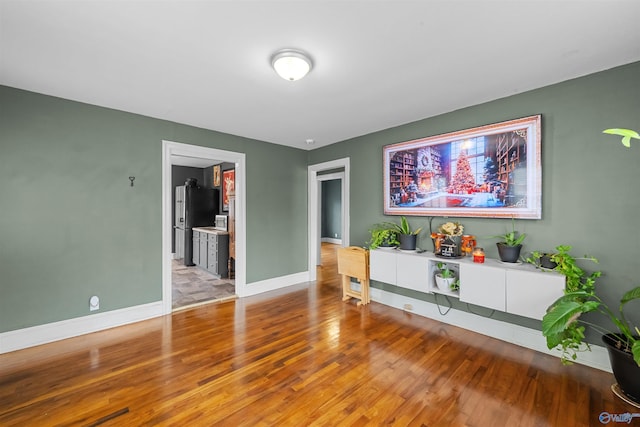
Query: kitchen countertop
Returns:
{"type": "Point", "coordinates": [210, 230]}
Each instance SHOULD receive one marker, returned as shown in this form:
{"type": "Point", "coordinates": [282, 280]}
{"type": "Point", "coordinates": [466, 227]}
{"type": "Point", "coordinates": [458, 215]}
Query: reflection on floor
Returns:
{"type": "Point", "coordinates": [193, 285]}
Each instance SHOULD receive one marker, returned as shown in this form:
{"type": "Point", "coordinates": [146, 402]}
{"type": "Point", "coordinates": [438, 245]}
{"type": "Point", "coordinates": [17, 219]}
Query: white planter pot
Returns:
{"type": "Point", "coordinates": [444, 283]}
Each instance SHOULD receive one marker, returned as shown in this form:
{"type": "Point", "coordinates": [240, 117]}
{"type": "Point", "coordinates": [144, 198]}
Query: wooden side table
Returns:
{"type": "Point", "coordinates": [354, 262]}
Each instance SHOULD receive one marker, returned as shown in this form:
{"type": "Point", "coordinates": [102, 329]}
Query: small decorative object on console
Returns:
{"type": "Point", "coordinates": [478, 255]}
{"type": "Point", "coordinates": [468, 244]}
{"type": "Point", "coordinates": [449, 240]}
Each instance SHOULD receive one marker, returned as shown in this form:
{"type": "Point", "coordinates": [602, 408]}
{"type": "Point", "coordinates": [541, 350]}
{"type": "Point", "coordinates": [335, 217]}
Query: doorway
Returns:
{"type": "Point", "coordinates": [178, 153]}
{"type": "Point", "coordinates": [340, 170]}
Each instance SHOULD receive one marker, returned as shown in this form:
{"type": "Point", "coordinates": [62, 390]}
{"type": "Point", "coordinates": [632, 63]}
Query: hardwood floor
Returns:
{"type": "Point", "coordinates": [296, 357]}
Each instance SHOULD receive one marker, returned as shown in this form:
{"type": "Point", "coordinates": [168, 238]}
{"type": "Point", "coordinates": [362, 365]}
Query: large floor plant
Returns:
{"type": "Point", "coordinates": [564, 329]}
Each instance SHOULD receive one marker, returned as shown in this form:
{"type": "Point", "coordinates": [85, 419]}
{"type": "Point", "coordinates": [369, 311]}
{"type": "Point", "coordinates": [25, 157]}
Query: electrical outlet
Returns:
{"type": "Point", "coordinates": [94, 303]}
{"type": "Point", "coordinates": [335, 234]}
{"type": "Point", "coordinates": [408, 307]}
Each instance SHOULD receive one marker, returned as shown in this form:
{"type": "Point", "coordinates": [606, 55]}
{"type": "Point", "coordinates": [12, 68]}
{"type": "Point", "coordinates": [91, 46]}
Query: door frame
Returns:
{"type": "Point", "coordinates": [314, 182]}
{"type": "Point", "coordinates": [330, 177]}
{"type": "Point", "coordinates": [170, 148]}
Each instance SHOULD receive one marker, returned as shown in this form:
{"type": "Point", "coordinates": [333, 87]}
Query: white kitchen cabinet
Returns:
{"type": "Point", "coordinates": [483, 285]}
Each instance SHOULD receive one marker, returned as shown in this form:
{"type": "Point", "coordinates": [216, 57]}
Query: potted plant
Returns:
{"type": "Point", "coordinates": [564, 329]}
{"type": "Point", "coordinates": [445, 277]}
{"type": "Point", "coordinates": [511, 244]}
{"type": "Point", "coordinates": [383, 235]}
{"type": "Point", "coordinates": [543, 260]}
{"type": "Point", "coordinates": [566, 264]}
{"type": "Point", "coordinates": [407, 237]}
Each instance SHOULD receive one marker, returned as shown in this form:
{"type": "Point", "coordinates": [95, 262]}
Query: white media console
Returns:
{"type": "Point", "coordinates": [519, 289]}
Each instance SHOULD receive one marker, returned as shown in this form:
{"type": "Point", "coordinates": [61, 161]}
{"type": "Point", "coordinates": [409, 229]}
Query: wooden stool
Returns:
{"type": "Point", "coordinates": [354, 262]}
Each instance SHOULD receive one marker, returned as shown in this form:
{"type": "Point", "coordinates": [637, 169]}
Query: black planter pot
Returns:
{"type": "Point", "coordinates": [546, 262]}
{"type": "Point", "coordinates": [408, 241]}
{"type": "Point", "coordinates": [625, 369]}
{"type": "Point", "coordinates": [508, 253]}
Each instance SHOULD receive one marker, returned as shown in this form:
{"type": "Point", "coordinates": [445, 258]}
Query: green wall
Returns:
{"type": "Point", "coordinates": [590, 181]}
{"type": "Point", "coordinates": [71, 226]}
{"type": "Point", "coordinates": [331, 215]}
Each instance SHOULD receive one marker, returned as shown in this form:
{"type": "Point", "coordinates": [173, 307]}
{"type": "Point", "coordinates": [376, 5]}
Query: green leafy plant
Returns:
{"type": "Point", "coordinates": [562, 326]}
{"type": "Point", "coordinates": [566, 264]}
{"type": "Point", "coordinates": [455, 286]}
{"type": "Point", "coordinates": [405, 228]}
{"type": "Point", "coordinates": [445, 271]}
{"type": "Point", "coordinates": [542, 260]}
{"type": "Point", "coordinates": [513, 237]}
{"type": "Point", "coordinates": [383, 234]}
{"type": "Point", "coordinates": [626, 135]}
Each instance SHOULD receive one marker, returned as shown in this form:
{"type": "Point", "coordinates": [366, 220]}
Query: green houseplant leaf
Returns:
{"type": "Point", "coordinates": [635, 349]}
{"type": "Point", "coordinates": [626, 135]}
{"type": "Point", "coordinates": [564, 312]}
{"type": "Point", "coordinates": [630, 296]}
{"type": "Point", "coordinates": [405, 228]}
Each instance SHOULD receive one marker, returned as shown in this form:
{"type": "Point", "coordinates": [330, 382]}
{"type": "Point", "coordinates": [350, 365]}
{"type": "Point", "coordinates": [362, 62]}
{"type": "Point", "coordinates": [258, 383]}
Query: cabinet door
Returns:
{"type": "Point", "coordinates": [482, 285]}
{"type": "Point", "coordinates": [196, 248]}
{"type": "Point", "coordinates": [412, 272]}
{"type": "Point", "coordinates": [223, 255]}
{"type": "Point", "coordinates": [179, 241]}
{"type": "Point", "coordinates": [203, 250]}
{"type": "Point", "coordinates": [529, 293]}
{"type": "Point", "coordinates": [382, 266]}
{"type": "Point", "coordinates": [212, 256]}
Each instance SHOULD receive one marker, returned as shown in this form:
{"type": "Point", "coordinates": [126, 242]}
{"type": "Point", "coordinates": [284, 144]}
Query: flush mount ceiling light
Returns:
{"type": "Point", "coordinates": [291, 64]}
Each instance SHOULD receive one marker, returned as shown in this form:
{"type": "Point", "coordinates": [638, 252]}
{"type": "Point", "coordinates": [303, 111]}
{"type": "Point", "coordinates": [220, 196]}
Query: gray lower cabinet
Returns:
{"type": "Point", "coordinates": [204, 237]}
{"type": "Point", "coordinates": [196, 248]}
{"type": "Point", "coordinates": [211, 252]}
{"type": "Point", "coordinates": [218, 254]}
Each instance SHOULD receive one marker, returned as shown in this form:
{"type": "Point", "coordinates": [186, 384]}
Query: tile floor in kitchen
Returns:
{"type": "Point", "coordinates": [193, 285]}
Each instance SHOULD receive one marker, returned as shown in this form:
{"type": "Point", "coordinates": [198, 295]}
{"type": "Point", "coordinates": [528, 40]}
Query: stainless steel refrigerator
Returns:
{"type": "Point", "coordinates": [195, 207]}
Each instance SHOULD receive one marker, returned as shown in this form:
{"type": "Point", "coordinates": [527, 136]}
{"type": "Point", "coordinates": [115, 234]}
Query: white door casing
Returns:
{"type": "Point", "coordinates": [314, 182]}
{"type": "Point", "coordinates": [170, 148]}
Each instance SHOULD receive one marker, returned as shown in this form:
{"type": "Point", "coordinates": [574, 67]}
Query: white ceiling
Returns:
{"type": "Point", "coordinates": [378, 64]}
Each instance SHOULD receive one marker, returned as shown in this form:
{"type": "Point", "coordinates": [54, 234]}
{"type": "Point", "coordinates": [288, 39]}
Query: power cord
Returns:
{"type": "Point", "coordinates": [438, 304]}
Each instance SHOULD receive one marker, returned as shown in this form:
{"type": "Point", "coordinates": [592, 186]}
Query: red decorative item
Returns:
{"type": "Point", "coordinates": [478, 255]}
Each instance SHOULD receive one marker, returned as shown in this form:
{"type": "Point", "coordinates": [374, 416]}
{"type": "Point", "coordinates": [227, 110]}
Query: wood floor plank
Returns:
{"type": "Point", "coordinates": [293, 357]}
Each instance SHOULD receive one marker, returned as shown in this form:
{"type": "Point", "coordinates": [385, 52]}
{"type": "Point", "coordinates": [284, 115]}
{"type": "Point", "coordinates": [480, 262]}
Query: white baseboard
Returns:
{"type": "Point", "coordinates": [275, 283]}
{"type": "Point", "coordinates": [42, 334]}
{"type": "Point", "coordinates": [515, 334]}
{"type": "Point", "coordinates": [50, 332]}
{"type": "Point", "coordinates": [331, 240]}
{"type": "Point", "coordinates": [525, 337]}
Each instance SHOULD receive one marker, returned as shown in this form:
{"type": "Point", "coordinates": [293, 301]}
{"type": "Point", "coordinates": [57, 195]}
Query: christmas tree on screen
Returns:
{"type": "Point", "coordinates": [463, 181]}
